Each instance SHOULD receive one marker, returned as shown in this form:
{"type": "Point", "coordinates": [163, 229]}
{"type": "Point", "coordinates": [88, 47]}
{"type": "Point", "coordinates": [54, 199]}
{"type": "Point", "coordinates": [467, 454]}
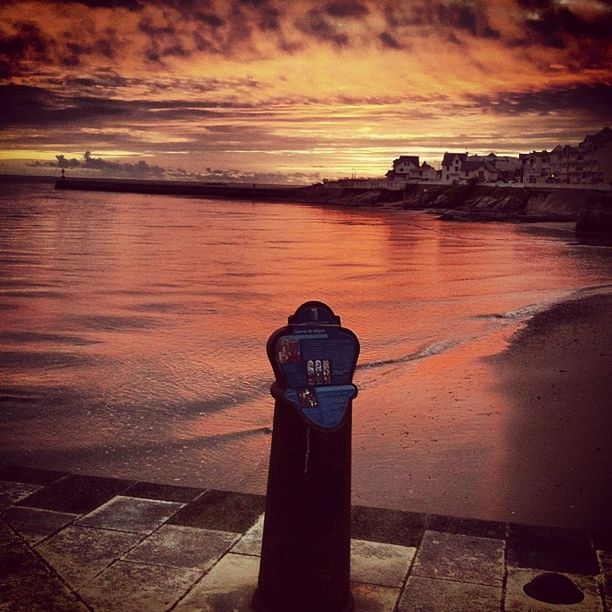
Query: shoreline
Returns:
{"type": "Point", "coordinates": [556, 376]}
{"type": "Point", "coordinates": [589, 209]}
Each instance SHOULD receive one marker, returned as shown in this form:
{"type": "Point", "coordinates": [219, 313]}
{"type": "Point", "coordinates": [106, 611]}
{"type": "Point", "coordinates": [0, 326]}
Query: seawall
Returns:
{"type": "Point", "coordinates": [454, 202]}
{"type": "Point", "coordinates": [476, 202]}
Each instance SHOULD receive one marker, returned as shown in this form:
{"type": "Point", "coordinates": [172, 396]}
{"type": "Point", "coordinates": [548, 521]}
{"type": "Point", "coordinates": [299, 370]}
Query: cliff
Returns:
{"type": "Point", "coordinates": [476, 202]}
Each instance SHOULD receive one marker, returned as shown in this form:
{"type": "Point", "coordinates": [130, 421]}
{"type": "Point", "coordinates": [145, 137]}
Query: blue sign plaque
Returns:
{"type": "Point", "coordinates": [314, 359]}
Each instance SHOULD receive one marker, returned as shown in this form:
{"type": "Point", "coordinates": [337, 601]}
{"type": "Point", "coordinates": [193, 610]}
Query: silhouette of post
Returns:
{"type": "Point", "coordinates": [305, 559]}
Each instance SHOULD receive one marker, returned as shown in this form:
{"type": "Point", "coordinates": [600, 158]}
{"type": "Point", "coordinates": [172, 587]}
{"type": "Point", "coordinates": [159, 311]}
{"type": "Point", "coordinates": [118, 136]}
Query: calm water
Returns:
{"type": "Point", "coordinates": [134, 327]}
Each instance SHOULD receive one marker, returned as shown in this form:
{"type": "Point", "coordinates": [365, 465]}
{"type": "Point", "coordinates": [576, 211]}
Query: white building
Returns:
{"type": "Point", "coordinates": [451, 167]}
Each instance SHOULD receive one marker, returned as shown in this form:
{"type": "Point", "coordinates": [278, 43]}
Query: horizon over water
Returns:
{"type": "Point", "coordinates": [134, 330]}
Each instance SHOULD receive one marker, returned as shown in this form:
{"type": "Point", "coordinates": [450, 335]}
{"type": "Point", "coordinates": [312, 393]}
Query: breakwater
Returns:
{"type": "Point", "coordinates": [212, 190]}
{"type": "Point", "coordinates": [454, 202]}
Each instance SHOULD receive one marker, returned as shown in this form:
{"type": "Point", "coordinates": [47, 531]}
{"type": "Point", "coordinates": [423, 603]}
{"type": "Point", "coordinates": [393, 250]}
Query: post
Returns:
{"type": "Point", "coordinates": [305, 558]}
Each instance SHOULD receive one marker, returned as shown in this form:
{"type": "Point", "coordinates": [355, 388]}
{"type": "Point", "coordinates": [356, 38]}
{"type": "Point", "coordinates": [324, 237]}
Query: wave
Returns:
{"type": "Point", "coordinates": [520, 313]}
{"type": "Point", "coordinates": [435, 348]}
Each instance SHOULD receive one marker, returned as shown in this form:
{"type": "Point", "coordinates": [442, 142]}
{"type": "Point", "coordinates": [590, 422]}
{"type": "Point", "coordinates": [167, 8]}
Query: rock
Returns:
{"type": "Point", "coordinates": [595, 221]}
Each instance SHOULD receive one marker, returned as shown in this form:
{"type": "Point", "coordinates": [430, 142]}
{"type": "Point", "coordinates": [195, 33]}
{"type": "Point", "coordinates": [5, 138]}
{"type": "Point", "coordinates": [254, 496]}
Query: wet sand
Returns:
{"type": "Point", "coordinates": [557, 376]}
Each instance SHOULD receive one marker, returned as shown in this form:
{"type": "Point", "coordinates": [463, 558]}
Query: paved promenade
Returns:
{"type": "Point", "coordinates": [72, 542]}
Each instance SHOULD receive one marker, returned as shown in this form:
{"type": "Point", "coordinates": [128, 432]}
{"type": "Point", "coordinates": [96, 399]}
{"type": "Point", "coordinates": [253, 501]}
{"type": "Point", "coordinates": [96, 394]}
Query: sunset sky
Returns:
{"type": "Point", "coordinates": [280, 90]}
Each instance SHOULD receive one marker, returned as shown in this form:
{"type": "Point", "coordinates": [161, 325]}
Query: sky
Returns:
{"type": "Point", "coordinates": [294, 91]}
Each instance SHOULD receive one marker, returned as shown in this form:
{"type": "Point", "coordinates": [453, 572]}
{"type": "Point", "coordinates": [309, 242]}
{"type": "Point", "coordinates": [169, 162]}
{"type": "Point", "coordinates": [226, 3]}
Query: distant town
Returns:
{"type": "Point", "coordinates": [588, 163]}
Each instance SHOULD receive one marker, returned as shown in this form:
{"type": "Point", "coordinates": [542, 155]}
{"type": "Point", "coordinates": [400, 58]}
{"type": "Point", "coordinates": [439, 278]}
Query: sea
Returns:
{"type": "Point", "coordinates": [133, 338]}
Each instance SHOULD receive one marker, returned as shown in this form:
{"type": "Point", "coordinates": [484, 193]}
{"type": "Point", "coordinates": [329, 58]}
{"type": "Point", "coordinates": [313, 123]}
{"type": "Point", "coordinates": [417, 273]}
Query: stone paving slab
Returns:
{"type": "Point", "coordinates": [388, 526]}
{"type": "Point", "coordinates": [39, 591]}
{"type": "Point", "coordinates": [381, 564]}
{"type": "Point", "coordinates": [461, 558]}
{"type": "Point", "coordinates": [18, 473]}
{"type": "Point", "coordinates": [423, 594]}
{"type": "Point", "coordinates": [128, 545]}
{"type": "Point", "coordinates": [148, 490]}
{"type": "Point", "coordinates": [77, 494]}
{"type": "Point", "coordinates": [230, 585]}
{"type": "Point", "coordinates": [546, 548]}
{"type": "Point", "coordinates": [129, 586]}
{"type": "Point", "coordinates": [221, 510]}
{"type": "Point", "coordinates": [131, 514]}
{"type": "Point", "coordinates": [374, 598]}
{"type": "Point", "coordinates": [250, 542]}
{"type": "Point", "coordinates": [35, 524]}
{"type": "Point", "coordinates": [605, 562]}
{"type": "Point", "coordinates": [483, 529]}
{"type": "Point", "coordinates": [79, 553]}
{"type": "Point", "coordinates": [178, 546]}
{"type": "Point", "coordinates": [12, 492]}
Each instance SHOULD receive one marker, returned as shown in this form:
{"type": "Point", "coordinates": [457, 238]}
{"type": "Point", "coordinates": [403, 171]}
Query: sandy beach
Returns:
{"type": "Point", "coordinates": [557, 372]}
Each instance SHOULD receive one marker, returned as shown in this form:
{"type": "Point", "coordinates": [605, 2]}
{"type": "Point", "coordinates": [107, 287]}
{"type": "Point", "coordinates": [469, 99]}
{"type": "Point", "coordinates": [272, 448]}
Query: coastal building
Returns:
{"type": "Point", "coordinates": [427, 172]}
{"type": "Point", "coordinates": [508, 168]}
{"type": "Point", "coordinates": [596, 153]}
{"type": "Point", "coordinates": [479, 171]}
{"type": "Point", "coordinates": [451, 167]}
{"type": "Point", "coordinates": [406, 168]}
{"type": "Point", "coordinates": [536, 166]}
{"type": "Point", "coordinates": [590, 162]}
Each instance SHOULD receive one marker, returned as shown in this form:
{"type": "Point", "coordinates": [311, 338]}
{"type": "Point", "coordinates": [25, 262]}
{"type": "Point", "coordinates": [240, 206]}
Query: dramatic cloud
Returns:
{"type": "Point", "coordinates": [334, 84]}
{"type": "Point", "coordinates": [592, 100]}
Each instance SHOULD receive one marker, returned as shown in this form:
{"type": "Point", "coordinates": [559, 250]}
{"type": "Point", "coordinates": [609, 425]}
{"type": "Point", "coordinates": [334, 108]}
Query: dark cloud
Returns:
{"type": "Point", "coordinates": [130, 5]}
{"type": "Point", "coordinates": [89, 162]}
{"type": "Point", "coordinates": [581, 39]}
{"type": "Point", "coordinates": [101, 79]}
{"type": "Point", "coordinates": [209, 19]}
{"type": "Point", "coordinates": [351, 10]}
{"type": "Point", "coordinates": [317, 25]}
{"type": "Point", "coordinates": [555, 25]}
{"type": "Point", "coordinates": [592, 101]}
{"type": "Point", "coordinates": [462, 15]}
{"type": "Point", "coordinates": [389, 41]}
{"type": "Point", "coordinates": [326, 23]}
{"type": "Point", "coordinates": [22, 105]}
{"type": "Point", "coordinates": [164, 40]}
{"type": "Point", "coordinates": [26, 43]}
{"type": "Point", "coordinates": [534, 4]}
{"type": "Point", "coordinates": [267, 15]}
{"type": "Point", "coordinates": [26, 106]}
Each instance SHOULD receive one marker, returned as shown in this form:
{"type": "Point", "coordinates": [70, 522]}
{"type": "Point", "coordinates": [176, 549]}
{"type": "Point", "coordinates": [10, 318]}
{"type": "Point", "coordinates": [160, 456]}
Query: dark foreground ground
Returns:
{"type": "Point", "coordinates": [74, 542]}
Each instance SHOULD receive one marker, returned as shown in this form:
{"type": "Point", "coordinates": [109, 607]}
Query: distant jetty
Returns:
{"type": "Point", "coordinates": [240, 191]}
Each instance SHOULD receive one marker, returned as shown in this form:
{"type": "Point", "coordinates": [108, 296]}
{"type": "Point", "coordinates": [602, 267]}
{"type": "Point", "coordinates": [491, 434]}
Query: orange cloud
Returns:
{"type": "Point", "coordinates": [320, 83]}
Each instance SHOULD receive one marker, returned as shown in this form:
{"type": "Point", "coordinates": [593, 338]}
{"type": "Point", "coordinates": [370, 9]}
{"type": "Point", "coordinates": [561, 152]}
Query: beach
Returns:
{"type": "Point", "coordinates": [557, 373]}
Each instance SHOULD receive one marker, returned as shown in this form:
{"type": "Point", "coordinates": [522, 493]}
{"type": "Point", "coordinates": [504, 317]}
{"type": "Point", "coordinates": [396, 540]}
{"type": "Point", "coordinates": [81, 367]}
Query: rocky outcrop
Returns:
{"type": "Point", "coordinates": [473, 202]}
{"type": "Point", "coordinates": [594, 225]}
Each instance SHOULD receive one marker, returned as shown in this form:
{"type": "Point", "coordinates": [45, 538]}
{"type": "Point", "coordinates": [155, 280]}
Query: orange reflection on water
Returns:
{"type": "Point", "coordinates": [152, 315]}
